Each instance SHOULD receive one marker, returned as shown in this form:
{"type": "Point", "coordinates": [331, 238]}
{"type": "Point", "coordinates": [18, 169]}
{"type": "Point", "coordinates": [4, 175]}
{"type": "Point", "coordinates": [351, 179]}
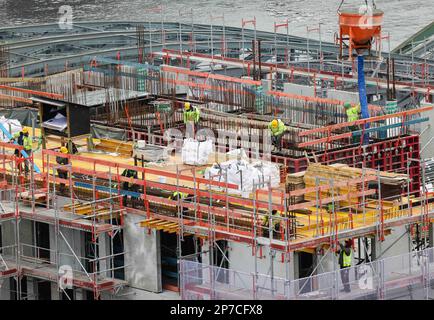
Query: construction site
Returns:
{"type": "Point", "coordinates": [139, 161]}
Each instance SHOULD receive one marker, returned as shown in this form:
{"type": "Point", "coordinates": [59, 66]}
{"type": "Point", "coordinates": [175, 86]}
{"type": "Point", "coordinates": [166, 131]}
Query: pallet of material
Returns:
{"type": "Point", "coordinates": [295, 181]}
{"type": "Point", "coordinates": [27, 197]}
{"type": "Point", "coordinates": [341, 173]}
{"type": "Point", "coordinates": [123, 148]}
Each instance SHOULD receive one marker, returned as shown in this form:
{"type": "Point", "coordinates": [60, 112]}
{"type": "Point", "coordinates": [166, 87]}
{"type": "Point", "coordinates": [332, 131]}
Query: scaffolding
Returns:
{"type": "Point", "coordinates": [389, 278]}
{"type": "Point", "coordinates": [407, 276]}
{"type": "Point", "coordinates": [36, 199]}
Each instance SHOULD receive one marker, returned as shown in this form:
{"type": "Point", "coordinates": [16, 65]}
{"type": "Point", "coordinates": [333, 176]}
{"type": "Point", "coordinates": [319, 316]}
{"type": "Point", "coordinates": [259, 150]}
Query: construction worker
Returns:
{"type": "Point", "coordinates": [277, 129]}
{"type": "Point", "coordinates": [63, 174]}
{"type": "Point", "coordinates": [345, 261]}
{"type": "Point", "coordinates": [176, 194]}
{"type": "Point", "coordinates": [353, 112]}
{"type": "Point", "coordinates": [275, 225]}
{"type": "Point", "coordinates": [22, 138]}
{"type": "Point", "coordinates": [184, 196]}
{"type": "Point", "coordinates": [129, 186]}
{"type": "Point", "coordinates": [191, 114]}
{"type": "Point", "coordinates": [191, 119]}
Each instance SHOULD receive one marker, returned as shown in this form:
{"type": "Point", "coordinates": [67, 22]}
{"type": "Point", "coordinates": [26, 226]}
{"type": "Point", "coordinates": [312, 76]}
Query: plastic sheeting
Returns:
{"type": "Point", "coordinates": [102, 132]}
{"type": "Point", "coordinates": [151, 153]}
{"type": "Point", "coordinates": [57, 123]}
{"type": "Point", "coordinates": [195, 152]}
{"type": "Point", "coordinates": [24, 116]}
{"type": "Point", "coordinates": [244, 174]}
{"type": "Point", "coordinates": [11, 125]}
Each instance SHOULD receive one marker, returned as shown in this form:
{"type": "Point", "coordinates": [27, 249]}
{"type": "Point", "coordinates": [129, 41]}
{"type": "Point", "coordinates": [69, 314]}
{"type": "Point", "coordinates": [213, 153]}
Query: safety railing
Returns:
{"type": "Point", "coordinates": [408, 275]}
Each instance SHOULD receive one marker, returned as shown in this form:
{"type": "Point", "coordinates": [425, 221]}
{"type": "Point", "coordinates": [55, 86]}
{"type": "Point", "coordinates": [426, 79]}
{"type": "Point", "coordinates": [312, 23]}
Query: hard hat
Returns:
{"type": "Point", "coordinates": [187, 105]}
{"type": "Point", "coordinates": [347, 105]}
{"type": "Point", "coordinates": [25, 130]}
{"type": "Point", "coordinates": [274, 123]}
{"type": "Point", "coordinates": [63, 150]}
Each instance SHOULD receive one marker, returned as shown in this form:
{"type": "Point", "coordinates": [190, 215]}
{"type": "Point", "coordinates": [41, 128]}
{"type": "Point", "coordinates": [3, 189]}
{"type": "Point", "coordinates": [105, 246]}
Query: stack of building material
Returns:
{"type": "Point", "coordinates": [89, 210]}
{"type": "Point", "coordinates": [151, 153]}
{"type": "Point", "coordinates": [295, 181]}
{"type": "Point", "coordinates": [341, 175]}
{"type": "Point", "coordinates": [317, 174]}
{"type": "Point", "coordinates": [115, 146]}
{"type": "Point", "coordinates": [39, 197]}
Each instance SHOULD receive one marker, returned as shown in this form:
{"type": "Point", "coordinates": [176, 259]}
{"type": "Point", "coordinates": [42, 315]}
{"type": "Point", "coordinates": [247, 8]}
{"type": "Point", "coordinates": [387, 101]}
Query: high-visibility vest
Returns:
{"type": "Point", "coordinates": [353, 113]}
{"type": "Point", "coordinates": [24, 141]}
{"type": "Point", "coordinates": [192, 115]}
{"type": "Point", "coordinates": [346, 260]}
{"type": "Point", "coordinates": [176, 194]}
{"type": "Point", "coordinates": [275, 221]}
{"type": "Point", "coordinates": [275, 131]}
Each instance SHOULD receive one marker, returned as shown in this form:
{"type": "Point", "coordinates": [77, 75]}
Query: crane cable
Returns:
{"type": "Point", "coordinates": [366, 2]}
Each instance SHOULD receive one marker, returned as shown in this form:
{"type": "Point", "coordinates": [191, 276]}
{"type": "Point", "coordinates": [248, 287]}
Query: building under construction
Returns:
{"type": "Point", "coordinates": [143, 207]}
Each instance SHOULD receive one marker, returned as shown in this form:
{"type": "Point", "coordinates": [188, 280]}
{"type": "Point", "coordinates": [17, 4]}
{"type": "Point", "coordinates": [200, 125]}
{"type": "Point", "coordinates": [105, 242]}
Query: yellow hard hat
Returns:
{"type": "Point", "coordinates": [63, 150]}
{"type": "Point", "coordinates": [187, 105]}
{"type": "Point", "coordinates": [274, 123]}
{"type": "Point", "coordinates": [25, 130]}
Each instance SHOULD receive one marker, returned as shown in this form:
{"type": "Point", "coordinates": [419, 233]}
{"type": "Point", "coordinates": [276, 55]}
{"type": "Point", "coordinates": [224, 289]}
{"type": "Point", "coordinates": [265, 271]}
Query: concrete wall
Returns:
{"type": "Point", "coordinates": [142, 255]}
{"type": "Point", "coordinates": [75, 240]}
{"type": "Point", "coordinates": [396, 243]}
{"type": "Point", "coordinates": [352, 97]}
{"type": "Point", "coordinates": [298, 89]}
{"type": "Point", "coordinates": [326, 261]}
{"type": "Point", "coordinates": [241, 259]}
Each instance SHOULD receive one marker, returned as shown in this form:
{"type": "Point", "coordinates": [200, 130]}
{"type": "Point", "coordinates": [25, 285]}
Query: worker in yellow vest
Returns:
{"type": "Point", "coordinates": [191, 118]}
{"type": "Point", "coordinates": [345, 262]}
{"type": "Point", "coordinates": [181, 196]}
{"type": "Point", "coordinates": [63, 174]}
{"type": "Point", "coordinates": [277, 129]}
{"type": "Point", "coordinates": [353, 112]}
{"type": "Point", "coordinates": [275, 225]}
{"type": "Point", "coordinates": [176, 194]}
{"type": "Point", "coordinates": [23, 139]}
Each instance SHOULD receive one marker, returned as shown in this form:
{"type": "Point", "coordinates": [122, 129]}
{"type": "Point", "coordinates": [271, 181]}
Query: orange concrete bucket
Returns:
{"type": "Point", "coordinates": [360, 27]}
